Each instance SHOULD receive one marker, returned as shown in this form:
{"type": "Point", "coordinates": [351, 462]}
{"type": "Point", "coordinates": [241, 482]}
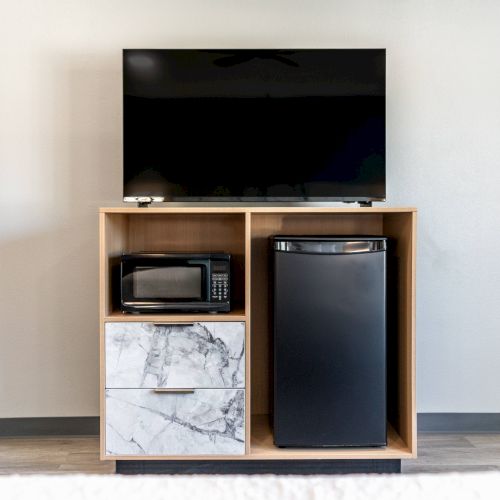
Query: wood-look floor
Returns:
{"type": "Point", "coordinates": [55, 455]}
{"type": "Point", "coordinates": [52, 455]}
{"type": "Point", "coordinates": [439, 452]}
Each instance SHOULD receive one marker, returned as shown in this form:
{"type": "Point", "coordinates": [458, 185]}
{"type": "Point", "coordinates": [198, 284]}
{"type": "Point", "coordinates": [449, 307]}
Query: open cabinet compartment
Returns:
{"type": "Point", "coordinates": [400, 227]}
{"type": "Point", "coordinates": [172, 232]}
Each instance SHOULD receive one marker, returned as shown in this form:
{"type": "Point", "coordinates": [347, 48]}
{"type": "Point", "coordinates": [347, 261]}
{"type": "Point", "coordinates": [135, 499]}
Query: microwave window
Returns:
{"type": "Point", "coordinates": [167, 283]}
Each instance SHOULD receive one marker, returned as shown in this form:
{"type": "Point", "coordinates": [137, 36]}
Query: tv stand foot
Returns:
{"type": "Point", "coordinates": [365, 204]}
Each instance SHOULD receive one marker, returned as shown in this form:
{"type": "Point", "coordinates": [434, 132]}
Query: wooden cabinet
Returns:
{"type": "Point", "coordinates": [238, 397]}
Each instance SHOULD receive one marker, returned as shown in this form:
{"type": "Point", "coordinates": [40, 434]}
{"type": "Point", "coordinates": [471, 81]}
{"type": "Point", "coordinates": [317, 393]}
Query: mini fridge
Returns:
{"type": "Point", "coordinates": [329, 341]}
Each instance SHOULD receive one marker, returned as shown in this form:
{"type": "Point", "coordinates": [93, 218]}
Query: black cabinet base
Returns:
{"type": "Point", "coordinates": [257, 466]}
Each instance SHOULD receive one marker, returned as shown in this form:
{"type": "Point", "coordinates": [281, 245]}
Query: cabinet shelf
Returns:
{"type": "Point", "coordinates": [236, 314]}
{"type": "Point", "coordinates": [263, 448]}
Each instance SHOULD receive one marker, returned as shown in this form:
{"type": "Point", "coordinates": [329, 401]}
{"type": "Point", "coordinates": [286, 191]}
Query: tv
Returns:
{"type": "Point", "coordinates": [254, 125]}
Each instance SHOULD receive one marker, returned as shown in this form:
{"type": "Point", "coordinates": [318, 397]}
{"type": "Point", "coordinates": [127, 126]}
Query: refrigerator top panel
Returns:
{"type": "Point", "coordinates": [350, 237]}
{"type": "Point", "coordinates": [329, 244]}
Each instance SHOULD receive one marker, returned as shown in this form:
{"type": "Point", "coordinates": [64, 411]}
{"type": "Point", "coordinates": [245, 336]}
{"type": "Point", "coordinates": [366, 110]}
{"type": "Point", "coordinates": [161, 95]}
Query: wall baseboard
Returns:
{"type": "Point", "coordinates": [89, 426]}
{"type": "Point", "coordinates": [458, 422]}
{"type": "Point", "coordinates": [49, 426]}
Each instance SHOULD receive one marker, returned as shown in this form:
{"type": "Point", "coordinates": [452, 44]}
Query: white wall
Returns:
{"type": "Point", "coordinates": [60, 159]}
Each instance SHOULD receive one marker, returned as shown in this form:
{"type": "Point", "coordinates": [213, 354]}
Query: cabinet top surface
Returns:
{"type": "Point", "coordinates": [256, 210]}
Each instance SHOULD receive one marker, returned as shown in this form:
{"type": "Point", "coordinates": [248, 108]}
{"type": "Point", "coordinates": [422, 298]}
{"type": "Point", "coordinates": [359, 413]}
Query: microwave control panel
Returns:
{"type": "Point", "coordinates": [219, 287]}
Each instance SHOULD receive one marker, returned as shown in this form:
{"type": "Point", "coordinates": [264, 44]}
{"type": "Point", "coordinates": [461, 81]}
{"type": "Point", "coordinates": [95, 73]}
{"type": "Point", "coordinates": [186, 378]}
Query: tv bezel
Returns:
{"type": "Point", "coordinates": [144, 200]}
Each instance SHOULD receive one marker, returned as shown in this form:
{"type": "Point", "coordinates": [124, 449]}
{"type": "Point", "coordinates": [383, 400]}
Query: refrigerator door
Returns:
{"type": "Point", "coordinates": [329, 342]}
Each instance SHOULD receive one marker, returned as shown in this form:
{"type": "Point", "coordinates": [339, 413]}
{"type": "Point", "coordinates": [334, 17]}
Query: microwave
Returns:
{"type": "Point", "coordinates": [184, 282]}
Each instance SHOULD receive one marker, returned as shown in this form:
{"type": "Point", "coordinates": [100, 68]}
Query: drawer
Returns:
{"type": "Point", "coordinates": [195, 355]}
{"type": "Point", "coordinates": [204, 422]}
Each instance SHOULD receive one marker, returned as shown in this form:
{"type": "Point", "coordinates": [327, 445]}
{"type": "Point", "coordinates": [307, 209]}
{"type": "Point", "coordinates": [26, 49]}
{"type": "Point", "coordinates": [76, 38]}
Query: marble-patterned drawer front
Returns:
{"type": "Point", "coordinates": [145, 355]}
{"type": "Point", "coordinates": [205, 422]}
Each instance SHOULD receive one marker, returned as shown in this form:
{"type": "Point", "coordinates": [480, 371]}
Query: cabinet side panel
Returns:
{"type": "Point", "coordinates": [402, 227]}
{"type": "Point", "coordinates": [102, 313]}
{"type": "Point", "coordinates": [115, 241]}
{"type": "Point", "coordinates": [112, 242]}
{"type": "Point", "coordinates": [248, 343]}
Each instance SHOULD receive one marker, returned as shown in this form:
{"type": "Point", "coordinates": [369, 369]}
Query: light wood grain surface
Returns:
{"type": "Point", "coordinates": [402, 228]}
{"type": "Point", "coordinates": [262, 447]}
{"type": "Point", "coordinates": [52, 455]}
{"type": "Point", "coordinates": [439, 452]}
{"type": "Point", "coordinates": [64, 455]}
{"type": "Point", "coordinates": [253, 209]}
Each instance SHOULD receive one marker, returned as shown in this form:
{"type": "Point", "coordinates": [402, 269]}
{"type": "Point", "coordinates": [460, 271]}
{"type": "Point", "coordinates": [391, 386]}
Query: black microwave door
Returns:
{"type": "Point", "coordinates": [150, 283]}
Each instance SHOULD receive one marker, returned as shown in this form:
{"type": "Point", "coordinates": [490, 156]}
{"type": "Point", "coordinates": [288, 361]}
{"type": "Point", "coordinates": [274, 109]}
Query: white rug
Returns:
{"type": "Point", "coordinates": [453, 486]}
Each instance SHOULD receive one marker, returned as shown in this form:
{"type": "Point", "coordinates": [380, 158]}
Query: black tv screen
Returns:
{"type": "Point", "coordinates": [254, 125]}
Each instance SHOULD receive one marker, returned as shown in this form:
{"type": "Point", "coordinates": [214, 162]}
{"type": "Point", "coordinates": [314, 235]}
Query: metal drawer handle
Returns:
{"type": "Point", "coordinates": [173, 391]}
{"type": "Point", "coordinates": [173, 324]}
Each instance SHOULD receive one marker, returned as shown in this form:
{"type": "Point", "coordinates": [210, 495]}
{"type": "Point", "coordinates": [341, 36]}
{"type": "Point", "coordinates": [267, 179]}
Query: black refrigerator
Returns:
{"type": "Point", "coordinates": [329, 341]}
